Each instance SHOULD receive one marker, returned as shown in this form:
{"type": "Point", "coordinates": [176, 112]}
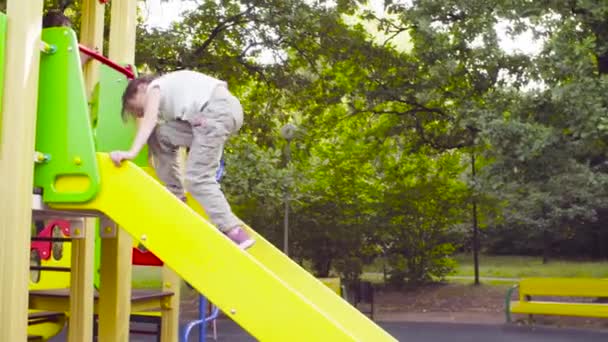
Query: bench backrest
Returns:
{"type": "Point", "coordinates": [563, 287]}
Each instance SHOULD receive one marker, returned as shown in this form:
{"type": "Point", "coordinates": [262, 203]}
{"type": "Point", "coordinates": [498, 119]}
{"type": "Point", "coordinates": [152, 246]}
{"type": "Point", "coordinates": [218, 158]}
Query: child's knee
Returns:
{"type": "Point", "coordinates": [200, 182]}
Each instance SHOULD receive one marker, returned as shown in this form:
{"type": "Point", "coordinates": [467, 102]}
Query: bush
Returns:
{"type": "Point", "coordinates": [420, 265]}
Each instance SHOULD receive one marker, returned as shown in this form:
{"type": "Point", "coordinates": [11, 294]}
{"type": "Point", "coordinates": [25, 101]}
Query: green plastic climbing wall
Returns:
{"type": "Point", "coordinates": [63, 128]}
{"type": "Point", "coordinates": [111, 131]}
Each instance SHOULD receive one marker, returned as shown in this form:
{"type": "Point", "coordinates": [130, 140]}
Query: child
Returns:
{"type": "Point", "coordinates": [192, 110]}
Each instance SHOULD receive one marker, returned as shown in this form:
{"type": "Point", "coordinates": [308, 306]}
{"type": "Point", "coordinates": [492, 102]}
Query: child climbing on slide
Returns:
{"type": "Point", "coordinates": [187, 109]}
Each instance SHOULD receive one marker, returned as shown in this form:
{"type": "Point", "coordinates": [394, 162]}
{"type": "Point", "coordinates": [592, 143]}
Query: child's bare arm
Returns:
{"type": "Point", "coordinates": [145, 126]}
{"type": "Point", "coordinates": [148, 122]}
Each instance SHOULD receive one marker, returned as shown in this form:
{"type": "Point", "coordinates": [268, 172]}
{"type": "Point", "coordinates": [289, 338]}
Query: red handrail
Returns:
{"type": "Point", "coordinates": [103, 59]}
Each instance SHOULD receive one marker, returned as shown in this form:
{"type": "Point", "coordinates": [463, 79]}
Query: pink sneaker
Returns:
{"type": "Point", "coordinates": [240, 237]}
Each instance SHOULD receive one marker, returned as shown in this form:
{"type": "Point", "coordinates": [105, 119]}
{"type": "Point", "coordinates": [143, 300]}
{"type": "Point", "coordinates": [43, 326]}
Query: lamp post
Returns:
{"type": "Point", "coordinates": [474, 132]}
{"type": "Point", "coordinates": [288, 133]}
{"type": "Point", "coordinates": [475, 226]}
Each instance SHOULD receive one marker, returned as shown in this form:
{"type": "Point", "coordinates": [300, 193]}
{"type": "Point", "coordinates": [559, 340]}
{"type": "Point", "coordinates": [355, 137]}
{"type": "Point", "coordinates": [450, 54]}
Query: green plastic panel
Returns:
{"type": "Point", "coordinates": [63, 128]}
{"type": "Point", "coordinates": [2, 61]}
{"type": "Point", "coordinates": [111, 132]}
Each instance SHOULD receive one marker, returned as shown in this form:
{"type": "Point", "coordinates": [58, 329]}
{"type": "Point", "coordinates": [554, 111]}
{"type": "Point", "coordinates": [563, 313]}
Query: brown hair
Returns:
{"type": "Point", "coordinates": [131, 90]}
{"type": "Point", "coordinates": [55, 18]}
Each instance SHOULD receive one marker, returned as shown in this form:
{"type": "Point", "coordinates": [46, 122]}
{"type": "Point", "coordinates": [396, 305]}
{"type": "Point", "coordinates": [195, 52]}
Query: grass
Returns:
{"type": "Point", "coordinates": [489, 267]}
{"type": "Point", "coordinates": [146, 277]}
{"type": "Point", "coordinates": [493, 268]}
{"type": "Point", "coordinates": [520, 266]}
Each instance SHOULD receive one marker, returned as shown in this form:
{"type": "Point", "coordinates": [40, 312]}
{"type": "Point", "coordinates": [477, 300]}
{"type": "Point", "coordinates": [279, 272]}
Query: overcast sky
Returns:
{"type": "Point", "coordinates": [161, 13]}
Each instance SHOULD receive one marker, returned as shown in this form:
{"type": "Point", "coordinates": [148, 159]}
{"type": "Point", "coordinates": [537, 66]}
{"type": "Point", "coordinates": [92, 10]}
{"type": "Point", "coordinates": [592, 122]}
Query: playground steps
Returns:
{"type": "Point", "coordinates": [41, 212]}
{"type": "Point", "coordinates": [44, 317]}
{"type": "Point", "coordinates": [59, 300]}
{"type": "Point", "coordinates": [43, 325]}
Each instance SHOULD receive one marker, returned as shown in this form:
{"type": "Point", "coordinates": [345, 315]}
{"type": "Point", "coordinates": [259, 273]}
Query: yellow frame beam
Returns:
{"type": "Point", "coordinates": [82, 294]}
{"type": "Point", "coordinates": [115, 288]}
{"type": "Point", "coordinates": [170, 310]}
{"type": "Point", "coordinates": [16, 156]}
{"type": "Point", "coordinates": [116, 268]}
{"type": "Point", "coordinates": [82, 300]}
{"type": "Point", "coordinates": [91, 35]}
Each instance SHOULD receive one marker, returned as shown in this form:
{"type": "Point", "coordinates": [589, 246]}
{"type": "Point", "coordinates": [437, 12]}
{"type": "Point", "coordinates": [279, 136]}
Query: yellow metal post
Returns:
{"type": "Point", "coordinates": [170, 313]}
{"type": "Point", "coordinates": [115, 287]}
{"type": "Point", "coordinates": [16, 158]}
{"type": "Point", "coordinates": [81, 293]}
{"type": "Point", "coordinates": [122, 31]}
{"type": "Point", "coordinates": [91, 35]}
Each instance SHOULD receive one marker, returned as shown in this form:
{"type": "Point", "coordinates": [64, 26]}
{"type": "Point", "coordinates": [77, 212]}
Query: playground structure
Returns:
{"type": "Point", "coordinates": [68, 119]}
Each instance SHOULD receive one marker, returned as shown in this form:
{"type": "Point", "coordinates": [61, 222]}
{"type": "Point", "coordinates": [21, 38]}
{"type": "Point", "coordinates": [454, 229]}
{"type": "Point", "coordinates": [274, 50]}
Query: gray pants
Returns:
{"type": "Point", "coordinates": [222, 117]}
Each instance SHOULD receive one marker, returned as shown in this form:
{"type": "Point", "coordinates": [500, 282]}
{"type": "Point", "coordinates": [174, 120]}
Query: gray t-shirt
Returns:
{"type": "Point", "coordinates": [184, 93]}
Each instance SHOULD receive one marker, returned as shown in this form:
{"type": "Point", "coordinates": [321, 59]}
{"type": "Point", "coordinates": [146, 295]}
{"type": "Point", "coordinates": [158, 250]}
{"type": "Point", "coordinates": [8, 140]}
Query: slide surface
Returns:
{"type": "Point", "coordinates": [280, 303]}
{"type": "Point", "coordinates": [310, 287]}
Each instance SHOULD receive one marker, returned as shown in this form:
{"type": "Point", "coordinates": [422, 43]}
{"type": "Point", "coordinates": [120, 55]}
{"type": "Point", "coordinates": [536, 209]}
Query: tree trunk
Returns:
{"type": "Point", "coordinates": [475, 227]}
{"type": "Point", "coordinates": [602, 64]}
{"type": "Point", "coordinates": [322, 267]}
{"type": "Point", "coordinates": [546, 246]}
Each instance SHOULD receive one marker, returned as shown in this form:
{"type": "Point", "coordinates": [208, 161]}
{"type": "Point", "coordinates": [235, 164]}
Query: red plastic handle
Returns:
{"type": "Point", "coordinates": [103, 59]}
{"type": "Point", "coordinates": [104, 1]}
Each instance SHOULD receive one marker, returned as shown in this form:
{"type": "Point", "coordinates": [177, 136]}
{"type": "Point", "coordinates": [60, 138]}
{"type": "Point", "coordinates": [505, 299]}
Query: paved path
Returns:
{"type": "Point", "coordinates": [481, 278]}
{"type": "Point", "coordinates": [434, 332]}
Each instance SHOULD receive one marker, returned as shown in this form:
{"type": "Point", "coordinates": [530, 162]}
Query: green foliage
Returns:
{"type": "Point", "coordinates": [423, 206]}
{"type": "Point", "coordinates": [381, 162]}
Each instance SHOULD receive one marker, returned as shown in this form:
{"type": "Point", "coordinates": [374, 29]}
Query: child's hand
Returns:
{"type": "Point", "coordinates": [118, 156]}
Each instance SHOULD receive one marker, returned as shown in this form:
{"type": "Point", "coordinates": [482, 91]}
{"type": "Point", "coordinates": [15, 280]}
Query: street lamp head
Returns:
{"type": "Point", "coordinates": [288, 131]}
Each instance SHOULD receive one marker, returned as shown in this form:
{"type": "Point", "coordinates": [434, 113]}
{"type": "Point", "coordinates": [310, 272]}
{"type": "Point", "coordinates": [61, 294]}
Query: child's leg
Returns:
{"type": "Point", "coordinates": [201, 167]}
{"type": "Point", "coordinates": [163, 144]}
{"type": "Point", "coordinates": [203, 162]}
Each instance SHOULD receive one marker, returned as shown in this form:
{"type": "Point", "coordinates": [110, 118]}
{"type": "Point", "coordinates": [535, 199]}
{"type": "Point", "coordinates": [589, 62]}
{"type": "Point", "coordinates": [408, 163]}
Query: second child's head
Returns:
{"type": "Point", "coordinates": [56, 18]}
{"type": "Point", "coordinates": [134, 97]}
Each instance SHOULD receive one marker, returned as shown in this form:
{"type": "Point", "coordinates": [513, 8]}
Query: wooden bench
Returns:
{"type": "Point", "coordinates": [553, 291]}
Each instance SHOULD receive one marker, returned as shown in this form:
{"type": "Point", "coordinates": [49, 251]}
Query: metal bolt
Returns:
{"type": "Point", "coordinates": [69, 48]}
{"type": "Point", "coordinates": [143, 237]}
{"type": "Point", "coordinates": [77, 231]}
{"type": "Point", "coordinates": [233, 311]}
{"type": "Point", "coordinates": [108, 230]}
{"type": "Point", "coordinates": [77, 160]}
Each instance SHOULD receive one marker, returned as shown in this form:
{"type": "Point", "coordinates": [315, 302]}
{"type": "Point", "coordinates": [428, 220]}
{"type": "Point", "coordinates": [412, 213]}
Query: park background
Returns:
{"type": "Point", "coordinates": [422, 131]}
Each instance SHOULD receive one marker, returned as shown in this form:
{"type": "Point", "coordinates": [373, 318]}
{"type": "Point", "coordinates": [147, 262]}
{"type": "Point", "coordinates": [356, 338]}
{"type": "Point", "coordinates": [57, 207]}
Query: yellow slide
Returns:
{"type": "Point", "coordinates": [261, 289]}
